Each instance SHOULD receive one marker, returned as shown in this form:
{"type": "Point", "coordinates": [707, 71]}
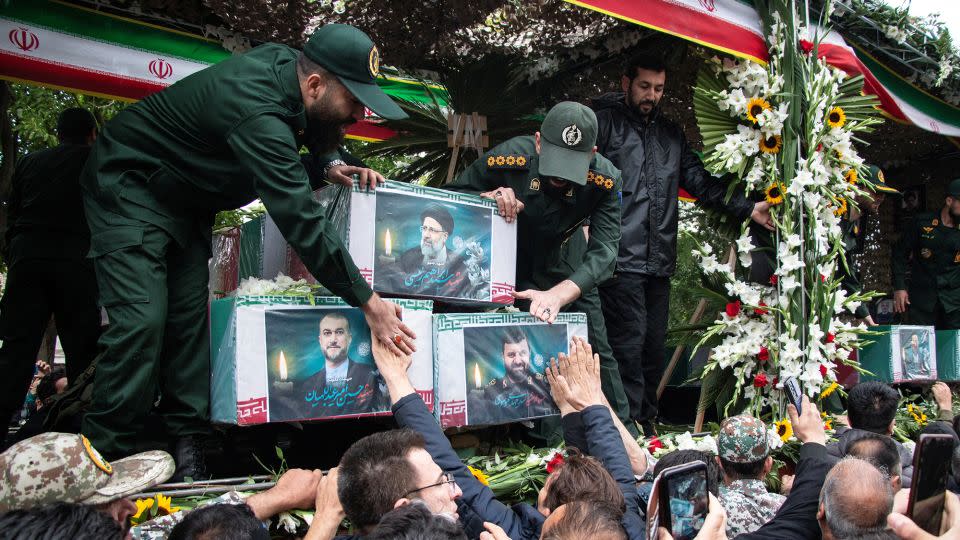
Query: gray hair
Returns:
{"type": "Point", "coordinates": [856, 499]}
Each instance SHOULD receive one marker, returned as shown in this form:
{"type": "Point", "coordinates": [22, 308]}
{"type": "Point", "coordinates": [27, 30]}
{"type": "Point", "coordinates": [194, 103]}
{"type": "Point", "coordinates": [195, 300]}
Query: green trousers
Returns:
{"type": "Point", "coordinates": [156, 347]}
{"type": "Point", "coordinates": [589, 303]}
{"type": "Point", "coordinates": [550, 430]}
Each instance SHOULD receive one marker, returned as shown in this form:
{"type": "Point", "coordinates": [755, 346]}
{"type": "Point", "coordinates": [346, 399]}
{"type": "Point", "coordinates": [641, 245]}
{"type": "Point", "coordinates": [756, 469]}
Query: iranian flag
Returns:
{"type": "Point", "coordinates": [733, 26]}
{"type": "Point", "coordinates": [58, 45]}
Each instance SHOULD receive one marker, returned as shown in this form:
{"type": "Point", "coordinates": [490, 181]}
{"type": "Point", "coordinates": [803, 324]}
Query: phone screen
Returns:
{"type": "Point", "coordinates": [686, 492]}
{"type": "Point", "coordinates": [931, 464]}
{"type": "Point", "coordinates": [793, 392]}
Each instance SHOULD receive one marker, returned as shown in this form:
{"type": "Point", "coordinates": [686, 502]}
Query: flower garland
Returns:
{"type": "Point", "coordinates": [783, 132]}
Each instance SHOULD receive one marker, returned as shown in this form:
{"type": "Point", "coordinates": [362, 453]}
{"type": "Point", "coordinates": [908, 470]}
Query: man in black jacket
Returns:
{"type": "Point", "coordinates": [47, 242]}
{"type": "Point", "coordinates": [656, 161]}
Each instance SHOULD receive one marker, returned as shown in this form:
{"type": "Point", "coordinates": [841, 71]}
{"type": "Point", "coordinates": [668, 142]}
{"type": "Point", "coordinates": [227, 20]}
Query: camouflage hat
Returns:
{"type": "Point", "coordinates": [742, 439]}
{"type": "Point", "coordinates": [64, 467]}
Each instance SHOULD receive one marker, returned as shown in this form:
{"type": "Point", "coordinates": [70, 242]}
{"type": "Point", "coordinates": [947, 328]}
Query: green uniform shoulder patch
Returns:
{"type": "Point", "coordinates": [508, 162]}
{"type": "Point", "coordinates": [600, 180]}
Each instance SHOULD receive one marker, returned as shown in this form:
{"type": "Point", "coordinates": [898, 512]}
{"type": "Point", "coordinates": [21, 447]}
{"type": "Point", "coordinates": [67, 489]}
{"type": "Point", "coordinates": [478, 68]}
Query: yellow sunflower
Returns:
{"type": "Point", "coordinates": [771, 145]}
{"type": "Point", "coordinates": [774, 193]}
{"type": "Point", "coordinates": [918, 415]}
{"type": "Point", "coordinates": [851, 176]}
{"type": "Point", "coordinates": [829, 390]}
{"type": "Point", "coordinates": [163, 506]}
{"type": "Point", "coordinates": [142, 506]}
{"type": "Point", "coordinates": [755, 108]}
{"type": "Point", "coordinates": [842, 206]}
{"type": "Point", "coordinates": [784, 429]}
{"type": "Point", "coordinates": [836, 118]}
{"type": "Point", "coordinates": [827, 421]}
{"type": "Point", "coordinates": [478, 474]}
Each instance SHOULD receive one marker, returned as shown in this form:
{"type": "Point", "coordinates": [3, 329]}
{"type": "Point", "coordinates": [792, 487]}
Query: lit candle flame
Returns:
{"type": "Point", "coordinates": [283, 367]}
{"type": "Point", "coordinates": [389, 243]}
{"type": "Point", "coordinates": [476, 374]}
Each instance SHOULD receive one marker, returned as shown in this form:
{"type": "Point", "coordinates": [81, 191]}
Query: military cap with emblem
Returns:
{"type": "Point", "coordinates": [874, 174]}
{"type": "Point", "coordinates": [953, 189]}
{"type": "Point", "coordinates": [351, 56]}
{"type": "Point", "coordinates": [567, 137]}
{"type": "Point", "coordinates": [64, 467]}
{"type": "Point", "coordinates": [743, 439]}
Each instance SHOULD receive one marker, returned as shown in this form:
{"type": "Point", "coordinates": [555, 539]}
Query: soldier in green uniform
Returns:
{"type": "Point", "coordinates": [47, 274]}
{"type": "Point", "coordinates": [553, 183]}
{"type": "Point", "coordinates": [157, 176]}
{"type": "Point", "coordinates": [854, 232]}
{"type": "Point", "coordinates": [930, 244]}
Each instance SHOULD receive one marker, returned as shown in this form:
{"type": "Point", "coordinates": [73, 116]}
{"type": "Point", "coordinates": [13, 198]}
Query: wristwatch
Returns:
{"type": "Point", "coordinates": [332, 164]}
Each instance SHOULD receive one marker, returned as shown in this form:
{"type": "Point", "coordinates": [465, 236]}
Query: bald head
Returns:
{"type": "Point", "coordinates": [855, 500]}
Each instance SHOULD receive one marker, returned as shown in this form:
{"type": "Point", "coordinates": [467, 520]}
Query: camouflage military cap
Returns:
{"type": "Point", "coordinates": [65, 467]}
{"type": "Point", "coordinates": [742, 439]}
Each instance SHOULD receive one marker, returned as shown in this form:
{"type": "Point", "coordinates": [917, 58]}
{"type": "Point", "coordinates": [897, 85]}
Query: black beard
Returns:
{"type": "Point", "coordinates": [639, 111]}
{"type": "Point", "coordinates": [324, 130]}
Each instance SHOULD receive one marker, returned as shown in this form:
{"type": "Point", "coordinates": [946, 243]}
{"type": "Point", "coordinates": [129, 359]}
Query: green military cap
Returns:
{"type": "Point", "coordinates": [349, 54]}
{"type": "Point", "coordinates": [874, 174]}
{"type": "Point", "coordinates": [742, 439]}
{"type": "Point", "coordinates": [953, 190]}
{"type": "Point", "coordinates": [567, 137]}
{"type": "Point", "coordinates": [64, 467]}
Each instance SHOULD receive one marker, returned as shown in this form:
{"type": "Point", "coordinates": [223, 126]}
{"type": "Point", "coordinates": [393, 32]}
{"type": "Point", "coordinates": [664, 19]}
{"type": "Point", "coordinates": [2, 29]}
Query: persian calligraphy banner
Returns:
{"type": "Point", "coordinates": [733, 26]}
{"type": "Point", "coordinates": [59, 45]}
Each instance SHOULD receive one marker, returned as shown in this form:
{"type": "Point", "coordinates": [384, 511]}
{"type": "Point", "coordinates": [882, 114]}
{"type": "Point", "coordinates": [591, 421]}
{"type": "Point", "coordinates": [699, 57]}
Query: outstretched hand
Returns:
{"type": "Point", "coordinates": [577, 376]}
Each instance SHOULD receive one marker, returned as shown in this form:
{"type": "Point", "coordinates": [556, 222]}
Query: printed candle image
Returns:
{"type": "Point", "coordinates": [432, 248]}
{"type": "Point", "coordinates": [320, 364]}
{"type": "Point", "coordinates": [505, 371]}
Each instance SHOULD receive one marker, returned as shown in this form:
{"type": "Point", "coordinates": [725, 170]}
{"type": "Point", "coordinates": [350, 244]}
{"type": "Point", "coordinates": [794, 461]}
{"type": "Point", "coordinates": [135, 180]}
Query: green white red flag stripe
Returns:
{"type": "Point", "coordinates": [898, 98]}
{"type": "Point", "coordinates": [50, 43]}
{"type": "Point", "coordinates": [733, 26]}
{"type": "Point", "coordinates": [727, 25]}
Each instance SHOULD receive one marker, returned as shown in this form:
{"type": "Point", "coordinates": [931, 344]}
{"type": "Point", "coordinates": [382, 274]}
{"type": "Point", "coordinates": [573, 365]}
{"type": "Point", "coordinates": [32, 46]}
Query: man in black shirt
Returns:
{"type": "Point", "coordinates": [48, 273]}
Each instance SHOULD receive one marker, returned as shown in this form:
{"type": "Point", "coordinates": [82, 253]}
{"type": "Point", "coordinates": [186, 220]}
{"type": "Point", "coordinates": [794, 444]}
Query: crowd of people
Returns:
{"type": "Point", "coordinates": [409, 483]}
{"type": "Point", "coordinates": [118, 219]}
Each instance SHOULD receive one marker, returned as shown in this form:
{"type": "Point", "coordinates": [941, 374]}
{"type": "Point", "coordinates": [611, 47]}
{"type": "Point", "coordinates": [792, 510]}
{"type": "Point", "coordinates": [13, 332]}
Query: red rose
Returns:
{"type": "Point", "coordinates": [830, 337]}
{"type": "Point", "coordinates": [654, 445]}
{"type": "Point", "coordinates": [759, 309]}
{"type": "Point", "coordinates": [733, 308]}
{"type": "Point", "coordinates": [823, 278]}
{"type": "Point", "coordinates": [823, 370]}
{"type": "Point", "coordinates": [555, 463]}
{"type": "Point", "coordinates": [763, 355]}
{"type": "Point", "coordinates": [773, 280]}
{"type": "Point", "coordinates": [760, 380]}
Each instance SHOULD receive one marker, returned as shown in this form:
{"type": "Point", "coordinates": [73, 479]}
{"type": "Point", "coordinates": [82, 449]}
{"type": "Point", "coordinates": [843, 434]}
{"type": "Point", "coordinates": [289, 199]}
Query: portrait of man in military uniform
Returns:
{"type": "Point", "coordinates": [915, 355]}
{"type": "Point", "coordinates": [451, 257]}
{"type": "Point", "coordinates": [327, 379]}
{"type": "Point", "coordinates": [522, 391]}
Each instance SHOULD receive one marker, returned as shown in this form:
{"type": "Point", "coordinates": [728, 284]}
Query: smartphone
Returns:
{"type": "Point", "coordinates": [793, 393]}
{"type": "Point", "coordinates": [684, 501]}
{"type": "Point", "coordinates": [931, 466]}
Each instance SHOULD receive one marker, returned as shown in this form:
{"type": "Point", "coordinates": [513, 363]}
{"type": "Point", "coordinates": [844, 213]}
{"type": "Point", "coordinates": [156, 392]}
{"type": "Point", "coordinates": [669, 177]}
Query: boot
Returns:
{"type": "Point", "coordinates": [188, 455]}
